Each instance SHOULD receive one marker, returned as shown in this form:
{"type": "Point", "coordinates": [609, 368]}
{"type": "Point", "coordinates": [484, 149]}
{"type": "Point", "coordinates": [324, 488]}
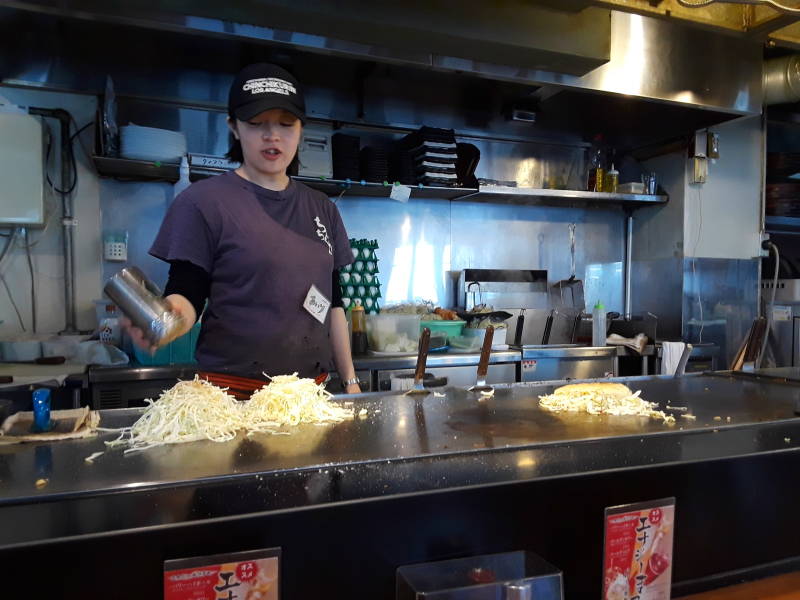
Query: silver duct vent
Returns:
{"type": "Point", "coordinates": [782, 80]}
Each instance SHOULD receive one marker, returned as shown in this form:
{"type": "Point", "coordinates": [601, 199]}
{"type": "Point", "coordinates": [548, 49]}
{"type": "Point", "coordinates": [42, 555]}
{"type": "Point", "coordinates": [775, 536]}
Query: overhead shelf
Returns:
{"type": "Point", "coordinates": [782, 224]}
{"type": "Point", "coordinates": [334, 187]}
{"type": "Point", "coordinates": [518, 195]}
{"type": "Point", "coordinates": [124, 168]}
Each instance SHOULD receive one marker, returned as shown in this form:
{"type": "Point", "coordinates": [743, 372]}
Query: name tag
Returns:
{"type": "Point", "coordinates": [317, 304]}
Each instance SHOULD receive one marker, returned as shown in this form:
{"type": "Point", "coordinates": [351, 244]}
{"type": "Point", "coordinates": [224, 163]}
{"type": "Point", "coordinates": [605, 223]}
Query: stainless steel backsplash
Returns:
{"type": "Point", "coordinates": [424, 243]}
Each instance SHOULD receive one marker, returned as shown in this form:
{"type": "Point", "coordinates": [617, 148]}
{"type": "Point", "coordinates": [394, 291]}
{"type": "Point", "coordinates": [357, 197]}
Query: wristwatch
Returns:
{"type": "Point", "coordinates": [351, 381]}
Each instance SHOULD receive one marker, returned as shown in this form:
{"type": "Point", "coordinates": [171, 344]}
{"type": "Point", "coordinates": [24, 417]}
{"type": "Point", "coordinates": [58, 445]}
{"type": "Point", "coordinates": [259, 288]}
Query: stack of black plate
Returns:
{"type": "Point", "coordinates": [434, 154]}
{"type": "Point", "coordinates": [374, 164]}
{"type": "Point", "coordinates": [401, 167]}
{"type": "Point", "coordinates": [345, 156]}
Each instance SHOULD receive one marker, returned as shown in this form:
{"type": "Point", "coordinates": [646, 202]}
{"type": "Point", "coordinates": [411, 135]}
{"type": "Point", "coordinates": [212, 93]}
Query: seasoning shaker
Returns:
{"type": "Point", "coordinates": [140, 300]}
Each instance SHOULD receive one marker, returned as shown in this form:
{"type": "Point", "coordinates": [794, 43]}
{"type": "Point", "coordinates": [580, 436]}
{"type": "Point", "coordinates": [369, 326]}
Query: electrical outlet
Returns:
{"type": "Point", "coordinates": [764, 237]}
{"type": "Point", "coordinates": [115, 246]}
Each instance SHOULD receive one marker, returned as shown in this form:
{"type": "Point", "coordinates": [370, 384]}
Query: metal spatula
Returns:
{"type": "Point", "coordinates": [569, 292]}
{"type": "Point", "coordinates": [422, 361]}
{"type": "Point", "coordinates": [483, 364]}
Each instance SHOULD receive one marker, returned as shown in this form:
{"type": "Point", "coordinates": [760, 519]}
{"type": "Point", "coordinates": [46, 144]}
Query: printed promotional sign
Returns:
{"type": "Point", "coordinates": [250, 575]}
{"type": "Point", "coordinates": [637, 551]}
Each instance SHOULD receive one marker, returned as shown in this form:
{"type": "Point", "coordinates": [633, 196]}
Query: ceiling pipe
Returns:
{"type": "Point", "coordinates": [782, 80]}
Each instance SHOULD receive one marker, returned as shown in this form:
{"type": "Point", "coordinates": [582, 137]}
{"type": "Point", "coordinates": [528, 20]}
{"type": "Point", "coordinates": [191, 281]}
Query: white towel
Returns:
{"type": "Point", "coordinates": [670, 356]}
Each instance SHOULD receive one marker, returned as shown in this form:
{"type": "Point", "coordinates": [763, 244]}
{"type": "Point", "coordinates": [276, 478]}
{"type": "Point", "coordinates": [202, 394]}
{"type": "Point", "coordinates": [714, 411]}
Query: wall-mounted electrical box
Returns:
{"type": "Point", "coordinates": [21, 171]}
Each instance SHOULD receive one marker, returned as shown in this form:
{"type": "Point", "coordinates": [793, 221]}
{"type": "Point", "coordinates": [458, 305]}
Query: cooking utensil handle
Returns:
{"type": "Point", "coordinates": [548, 326]}
{"type": "Point", "coordinates": [684, 359]}
{"type": "Point", "coordinates": [572, 249]}
{"type": "Point", "coordinates": [486, 350]}
{"type": "Point", "coordinates": [520, 328]}
{"type": "Point", "coordinates": [576, 321]}
{"type": "Point", "coordinates": [422, 356]}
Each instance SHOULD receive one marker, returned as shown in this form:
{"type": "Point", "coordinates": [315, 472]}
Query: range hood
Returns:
{"type": "Point", "coordinates": [640, 80]}
{"type": "Point", "coordinates": [593, 50]}
{"type": "Point", "coordinates": [511, 32]}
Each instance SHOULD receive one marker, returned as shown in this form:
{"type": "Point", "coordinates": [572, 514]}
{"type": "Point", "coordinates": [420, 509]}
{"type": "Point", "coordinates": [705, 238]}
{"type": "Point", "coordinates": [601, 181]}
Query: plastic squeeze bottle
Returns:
{"type": "Point", "coordinates": [598, 325]}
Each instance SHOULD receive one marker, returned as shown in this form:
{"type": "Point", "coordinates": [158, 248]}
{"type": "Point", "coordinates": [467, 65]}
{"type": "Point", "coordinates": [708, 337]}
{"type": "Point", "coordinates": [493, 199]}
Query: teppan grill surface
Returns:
{"type": "Point", "coordinates": [417, 479]}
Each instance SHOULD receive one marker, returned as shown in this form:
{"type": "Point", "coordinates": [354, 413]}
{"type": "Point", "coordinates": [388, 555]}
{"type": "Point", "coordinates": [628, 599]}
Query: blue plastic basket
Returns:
{"type": "Point", "coordinates": [177, 352]}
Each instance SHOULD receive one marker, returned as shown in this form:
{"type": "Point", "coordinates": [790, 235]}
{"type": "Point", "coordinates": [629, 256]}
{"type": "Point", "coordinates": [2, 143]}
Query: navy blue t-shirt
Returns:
{"type": "Point", "coordinates": [262, 250]}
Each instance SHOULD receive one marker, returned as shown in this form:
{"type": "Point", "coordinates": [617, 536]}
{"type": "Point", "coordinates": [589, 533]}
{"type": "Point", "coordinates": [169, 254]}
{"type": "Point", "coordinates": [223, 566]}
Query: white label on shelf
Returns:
{"type": "Point", "coordinates": [401, 193]}
{"type": "Point", "coordinates": [216, 162]}
{"type": "Point", "coordinates": [781, 313]}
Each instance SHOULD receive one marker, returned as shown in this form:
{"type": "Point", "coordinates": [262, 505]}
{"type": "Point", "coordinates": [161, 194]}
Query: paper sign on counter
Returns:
{"type": "Point", "coordinates": [238, 576]}
{"type": "Point", "coordinates": [637, 551]}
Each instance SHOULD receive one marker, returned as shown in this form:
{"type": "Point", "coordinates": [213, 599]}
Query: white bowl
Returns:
{"type": "Point", "coordinates": [498, 339]}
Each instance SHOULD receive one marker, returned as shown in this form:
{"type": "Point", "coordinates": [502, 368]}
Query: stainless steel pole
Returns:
{"type": "Point", "coordinates": [628, 264]}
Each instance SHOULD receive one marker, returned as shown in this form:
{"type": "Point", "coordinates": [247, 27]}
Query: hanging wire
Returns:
{"type": "Point", "coordinates": [33, 280]}
{"type": "Point", "coordinates": [9, 244]}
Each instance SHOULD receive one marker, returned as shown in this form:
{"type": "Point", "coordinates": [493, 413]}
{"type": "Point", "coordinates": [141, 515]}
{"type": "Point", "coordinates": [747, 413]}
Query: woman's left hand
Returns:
{"type": "Point", "coordinates": [353, 388]}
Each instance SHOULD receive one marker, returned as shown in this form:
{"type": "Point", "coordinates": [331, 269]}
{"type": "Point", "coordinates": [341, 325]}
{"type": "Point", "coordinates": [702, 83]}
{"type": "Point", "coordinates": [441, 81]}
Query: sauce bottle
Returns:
{"type": "Point", "coordinates": [596, 175]}
{"type": "Point", "coordinates": [359, 340]}
{"type": "Point", "coordinates": [612, 180]}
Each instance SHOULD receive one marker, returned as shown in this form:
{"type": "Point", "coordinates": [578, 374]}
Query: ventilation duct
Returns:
{"type": "Point", "coordinates": [782, 80]}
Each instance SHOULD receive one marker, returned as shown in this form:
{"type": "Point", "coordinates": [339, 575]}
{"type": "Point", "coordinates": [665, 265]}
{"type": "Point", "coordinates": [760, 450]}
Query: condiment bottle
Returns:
{"type": "Point", "coordinates": [358, 318]}
{"type": "Point", "coordinates": [596, 175]}
{"type": "Point", "coordinates": [612, 180]}
{"type": "Point", "coordinates": [598, 325]}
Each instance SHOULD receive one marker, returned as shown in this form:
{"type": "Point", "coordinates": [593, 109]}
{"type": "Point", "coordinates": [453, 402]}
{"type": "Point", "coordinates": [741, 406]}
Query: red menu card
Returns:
{"type": "Point", "coordinates": [252, 575]}
{"type": "Point", "coordinates": [637, 551]}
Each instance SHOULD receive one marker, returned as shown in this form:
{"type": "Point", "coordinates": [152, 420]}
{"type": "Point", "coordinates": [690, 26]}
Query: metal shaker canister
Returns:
{"type": "Point", "coordinates": [140, 300]}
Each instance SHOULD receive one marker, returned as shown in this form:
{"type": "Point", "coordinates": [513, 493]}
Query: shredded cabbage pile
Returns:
{"type": "Point", "coordinates": [187, 412]}
{"type": "Point", "coordinates": [289, 401]}
{"type": "Point", "coordinates": [596, 402]}
{"type": "Point", "coordinates": [198, 410]}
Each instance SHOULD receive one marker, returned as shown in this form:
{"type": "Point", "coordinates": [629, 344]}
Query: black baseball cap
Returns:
{"type": "Point", "coordinates": [263, 86]}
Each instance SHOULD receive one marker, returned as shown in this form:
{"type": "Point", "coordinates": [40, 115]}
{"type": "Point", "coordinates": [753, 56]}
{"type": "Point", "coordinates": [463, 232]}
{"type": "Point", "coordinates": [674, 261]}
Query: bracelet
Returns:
{"type": "Point", "coordinates": [351, 381]}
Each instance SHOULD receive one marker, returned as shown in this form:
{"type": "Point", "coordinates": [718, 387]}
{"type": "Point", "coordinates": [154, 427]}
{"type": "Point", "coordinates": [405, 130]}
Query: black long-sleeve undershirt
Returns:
{"type": "Point", "coordinates": [194, 284]}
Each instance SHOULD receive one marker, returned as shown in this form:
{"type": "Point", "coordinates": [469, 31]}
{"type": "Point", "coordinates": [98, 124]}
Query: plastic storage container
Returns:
{"type": "Point", "coordinates": [449, 328]}
{"type": "Point", "coordinates": [510, 575]}
{"type": "Point", "coordinates": [20, 350]}
{"type": "Point", "coordinates": [498, 337]}
{"type": "Point", "coordinates": [393, 333]}
{"type": "Point", "coordinates": [177, 352]}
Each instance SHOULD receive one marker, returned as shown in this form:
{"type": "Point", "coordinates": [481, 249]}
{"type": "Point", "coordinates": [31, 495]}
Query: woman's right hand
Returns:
{"type": "Point", "coordinates": [177, 305]}
{"type": "Point", "coordinates": [137, 336]}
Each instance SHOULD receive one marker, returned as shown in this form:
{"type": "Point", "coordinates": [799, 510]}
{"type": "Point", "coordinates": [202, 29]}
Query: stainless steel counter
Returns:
{"type": "Point", "coordinates": [361, 363]}
{"type": "Point", "coordinates": [378, 363]}
{"type": "Point", "coordinates": [443, 359]}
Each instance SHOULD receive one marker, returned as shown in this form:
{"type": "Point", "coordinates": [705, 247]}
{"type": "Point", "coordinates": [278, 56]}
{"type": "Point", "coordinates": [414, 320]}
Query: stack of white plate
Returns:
{"type": "Point", "coordinates": [150, 143]}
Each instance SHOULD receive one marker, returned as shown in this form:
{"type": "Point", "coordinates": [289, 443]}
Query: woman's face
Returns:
{"type": "Point", "coordinates": [269, 140]}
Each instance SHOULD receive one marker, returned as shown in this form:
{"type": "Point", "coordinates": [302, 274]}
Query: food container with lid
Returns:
{"type": "Point", "coordinates": [498, 338]}
{"type": "Point", "coordinates": [510, 575]}
{"type": "Point", "coordinates": [449, 328]}
{"type": "Point", "coordinates": [393, 333]}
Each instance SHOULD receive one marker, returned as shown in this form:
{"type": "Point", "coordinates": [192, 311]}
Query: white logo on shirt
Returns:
{"type": "Point", "coordinates": [322, 233]}
{"type": "Point", "coordinates": [271, 85]}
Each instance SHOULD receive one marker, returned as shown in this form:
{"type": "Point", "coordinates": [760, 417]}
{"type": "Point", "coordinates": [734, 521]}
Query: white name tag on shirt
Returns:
{"type": "Point", "coordinates": [317, 304]}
